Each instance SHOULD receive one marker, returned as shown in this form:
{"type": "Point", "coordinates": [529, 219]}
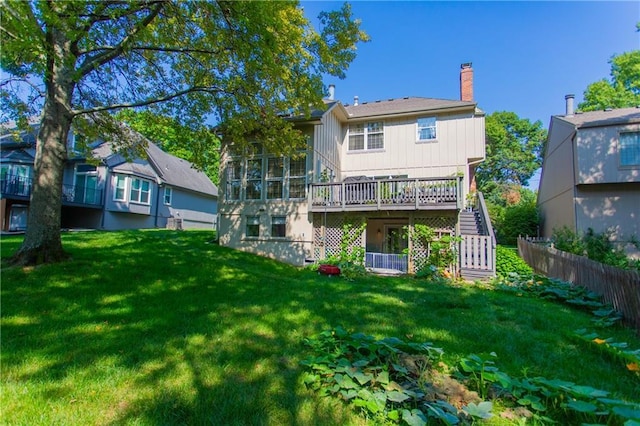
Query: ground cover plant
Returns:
{"type": "Point", "coordinates": [165, 327]}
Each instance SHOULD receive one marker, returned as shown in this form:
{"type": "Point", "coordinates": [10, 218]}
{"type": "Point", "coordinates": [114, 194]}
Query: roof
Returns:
{"type": "Point", "coordinates": [178, 172]}
{"type": "Point", "coordinates": [603, 118]}
{"type": "Point", "coordinates": [406, 105]}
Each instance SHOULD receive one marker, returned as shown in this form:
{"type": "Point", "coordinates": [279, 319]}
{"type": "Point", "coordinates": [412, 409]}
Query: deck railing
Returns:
{"type": "Point", "coordinates": [387, 194]}
{"type": "Point", "coordinates": [20, 186]}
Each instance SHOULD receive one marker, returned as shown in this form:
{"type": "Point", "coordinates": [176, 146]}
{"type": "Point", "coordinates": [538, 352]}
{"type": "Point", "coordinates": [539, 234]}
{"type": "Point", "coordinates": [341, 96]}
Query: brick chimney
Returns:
{"type": "Point", "coordinates": [466, 82]}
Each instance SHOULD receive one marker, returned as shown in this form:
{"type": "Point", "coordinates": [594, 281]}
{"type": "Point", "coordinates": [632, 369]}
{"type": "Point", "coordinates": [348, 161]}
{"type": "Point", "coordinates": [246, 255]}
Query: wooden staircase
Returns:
{"type": "Point", "coordinates": [477, 249]}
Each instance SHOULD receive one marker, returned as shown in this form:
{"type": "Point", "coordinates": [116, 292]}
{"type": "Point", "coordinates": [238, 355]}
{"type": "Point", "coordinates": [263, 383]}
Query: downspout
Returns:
{"type": "Point", "coordinates": [157, 205]}
{"type": "Point", "coordinates": [107, 185]}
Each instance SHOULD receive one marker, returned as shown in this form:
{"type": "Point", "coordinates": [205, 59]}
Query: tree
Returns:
{"type": "Point", "coordinates": [196, 143]}
{"type": "Point", "coordinates": [243, 62]}
{"type": "Point", "coordinates": [514, 149]}
{"type": "Point", "coordinates": [623, 90]}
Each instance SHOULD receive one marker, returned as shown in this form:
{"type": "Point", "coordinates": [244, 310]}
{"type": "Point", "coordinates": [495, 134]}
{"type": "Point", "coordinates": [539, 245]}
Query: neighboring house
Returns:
{"type": "Point", "coordinates": [591, 173]}
{"type": "Point", "coordinates": [384, 165]}
{"type": "Point", "coordinates": [110, 192]}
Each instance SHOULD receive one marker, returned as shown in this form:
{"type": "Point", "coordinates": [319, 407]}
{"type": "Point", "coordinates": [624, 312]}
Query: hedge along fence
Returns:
{"type": "Point", "coordinates": [617, 287]}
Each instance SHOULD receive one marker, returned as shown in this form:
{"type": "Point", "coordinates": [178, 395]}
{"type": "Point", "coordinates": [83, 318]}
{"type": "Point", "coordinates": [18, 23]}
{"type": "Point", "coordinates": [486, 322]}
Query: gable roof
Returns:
{"type": "Point", "coordinates": [603, 118]}
{"type": "Point", "coordinates": [406, 105]}
{"type": "Point", "coordinates": [178, 172]}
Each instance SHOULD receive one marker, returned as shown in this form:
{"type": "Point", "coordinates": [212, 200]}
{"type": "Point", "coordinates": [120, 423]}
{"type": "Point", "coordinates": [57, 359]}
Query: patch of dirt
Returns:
{"type": "Point", "coordinates": [437, 385]}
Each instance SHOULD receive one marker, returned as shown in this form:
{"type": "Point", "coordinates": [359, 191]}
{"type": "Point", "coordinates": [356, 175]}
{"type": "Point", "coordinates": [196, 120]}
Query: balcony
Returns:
{"type": "Point", "coordinates": [360, 194]}
{"type": "Point", "coordinates": [81, 196]}
{"type": "Point", "coordinates": [13, 186]}
{"type": "Point", "coordinates": [19, 187]}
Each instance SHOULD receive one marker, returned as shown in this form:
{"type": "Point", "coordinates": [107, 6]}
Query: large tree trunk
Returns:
{"type": "Point", "coordinates": [42, 242]}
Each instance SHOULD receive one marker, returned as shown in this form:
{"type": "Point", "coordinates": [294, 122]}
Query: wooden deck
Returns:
{"type": "Point", "coordinates": [387, 194]}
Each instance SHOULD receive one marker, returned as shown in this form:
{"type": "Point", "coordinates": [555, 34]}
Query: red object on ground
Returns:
{"type": "Point", "coordinates": [329, 270]}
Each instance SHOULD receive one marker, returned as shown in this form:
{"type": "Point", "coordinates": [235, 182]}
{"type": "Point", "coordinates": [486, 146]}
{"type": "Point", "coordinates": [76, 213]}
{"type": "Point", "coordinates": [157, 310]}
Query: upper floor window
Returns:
{"type": "Point", "coordinates": [297, 177]}
{"type": "Point", "coordinates": [167, 195]}
{"type": "Point", "coordinates": [140, 190]}
{"type": "Point", "coordinates": [426, 128]}
{"type": "Point", "coordinates": [630, 149]}
{"type": "Point", "coordinates": [234, 179]}
{"type": "Point", "coordinates": [366, 136]}
{"type": "Point", "coordinates": [254, 179]}
{"type": "Point", "coordinates": [275, 178]}
{"type": "Point", "coordinates": [266, 177]}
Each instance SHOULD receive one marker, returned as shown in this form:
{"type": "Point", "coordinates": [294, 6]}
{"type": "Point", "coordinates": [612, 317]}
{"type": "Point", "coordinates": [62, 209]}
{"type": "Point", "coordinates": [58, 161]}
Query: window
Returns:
{"type": "Point", "coordinates": [234, 179]}
{"type": "Point", "coordinates": [297, 177]}
{"type": "Point", "coordinates": [121, 185]}
{"type": "Point", "coordinates": [366, 136]}
{"type": "Point", "coordinates": [426, 128]}
{"type": "Point", "coordinates": [139, 191]}
{"type": "Point", "coordinates": [275, 178]}
{"type": "Point", "coordinates": [630, 149]}
{"type": "Point", "coordinates": [253, 226]}
{"type": "Point", "coordinates": [254, 179]}
{"type": "Point", "coordinates": [278, 226]}
{"type": "Point", "coordinates": [86, 186]}
{"type": "Point", "coordinates": [167, 195]}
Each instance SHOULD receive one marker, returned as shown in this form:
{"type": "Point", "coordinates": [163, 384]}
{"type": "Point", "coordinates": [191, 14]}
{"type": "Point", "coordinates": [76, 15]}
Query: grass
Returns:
{"type": "Point", "coordinates": [163, 327]}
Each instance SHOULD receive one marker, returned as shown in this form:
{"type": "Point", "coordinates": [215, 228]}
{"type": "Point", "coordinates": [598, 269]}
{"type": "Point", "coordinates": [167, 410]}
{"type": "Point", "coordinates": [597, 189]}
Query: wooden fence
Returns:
{"type": "Point", "coordinates": [617, 287]}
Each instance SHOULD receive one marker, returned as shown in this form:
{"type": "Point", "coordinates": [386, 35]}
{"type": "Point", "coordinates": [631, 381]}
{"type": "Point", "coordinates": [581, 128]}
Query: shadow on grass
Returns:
{"type": "Point", "coordinates": [161, 327]}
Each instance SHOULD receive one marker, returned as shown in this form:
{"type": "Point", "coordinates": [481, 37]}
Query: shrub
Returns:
{"type": "Point", "coordinates": [508, 262]}
{"type": "Point", "coordinates": [593, 245]}
{"type": "Point", "coordinates": [519, 219]}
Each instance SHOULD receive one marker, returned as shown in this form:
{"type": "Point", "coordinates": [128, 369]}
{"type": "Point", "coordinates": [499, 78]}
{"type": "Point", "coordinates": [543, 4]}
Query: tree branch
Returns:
{"type": "Point", "coordinates": [101, 59]}
{"type": "Point", "coordinates": [148, 101]}
{"type": "Point", "coordinates": [185, 50]}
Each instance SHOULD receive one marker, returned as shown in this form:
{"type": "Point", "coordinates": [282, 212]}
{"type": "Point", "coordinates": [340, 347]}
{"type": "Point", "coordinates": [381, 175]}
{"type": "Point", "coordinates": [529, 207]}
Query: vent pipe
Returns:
{"type": "Point", "coordinates": [332, 91]}
{"type": "Point", "coordinates": [355, 101]}
{"type": "Point", "coordinates": [569, 104]}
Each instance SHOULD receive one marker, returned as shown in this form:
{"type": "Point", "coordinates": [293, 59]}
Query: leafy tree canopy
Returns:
{"type": "Point", "coordinates": [74, 61]}
{"type": "Point", "coordinates": [621, 91]}
{"type": "Point", "coordinates": [196, 144]}
{"type": "Point", "coordinates": [514, 148]}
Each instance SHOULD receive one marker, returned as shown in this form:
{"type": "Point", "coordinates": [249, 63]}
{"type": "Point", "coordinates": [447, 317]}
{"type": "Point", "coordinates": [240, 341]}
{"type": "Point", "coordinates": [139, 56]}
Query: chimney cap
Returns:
{"type": "Point", "coordinates": [465, 65]}
{"type": "Point", "coordinates": [569, 96]}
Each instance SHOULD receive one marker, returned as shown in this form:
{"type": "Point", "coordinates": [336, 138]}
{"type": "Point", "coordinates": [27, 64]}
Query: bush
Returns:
{"type": "Point", "coordinates": [518, 220]}
{"type": "Point", "coordinates": [595, 246]}
{"type": "Point", "coordinates": [508, 261]}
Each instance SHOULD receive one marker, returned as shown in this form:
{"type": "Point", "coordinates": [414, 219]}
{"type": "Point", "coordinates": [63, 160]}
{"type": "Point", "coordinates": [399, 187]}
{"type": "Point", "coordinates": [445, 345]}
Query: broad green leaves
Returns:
{"type": "Point", "coordinates": [622, 90]}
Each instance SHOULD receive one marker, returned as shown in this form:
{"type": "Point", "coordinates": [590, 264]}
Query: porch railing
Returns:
{"type": "Point", "coordinates": [392, 261]}
{"type": "Point", "coordinates": [387, 194]}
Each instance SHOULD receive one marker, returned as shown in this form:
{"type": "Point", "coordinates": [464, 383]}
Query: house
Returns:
{"type": "Point", "coordinates": [379, 166]}
{"type": "Point", "coordinates": [591, 173]}
{"type": "Point", "coordinates": [109, 191]}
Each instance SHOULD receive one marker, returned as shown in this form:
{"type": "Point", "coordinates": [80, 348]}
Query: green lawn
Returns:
{"type": "Point", "coordinates": [164, 327]}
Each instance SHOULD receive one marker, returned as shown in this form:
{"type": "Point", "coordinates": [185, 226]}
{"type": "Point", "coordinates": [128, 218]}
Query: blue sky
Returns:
{"type": "Point", "coordinates": [526, 56]}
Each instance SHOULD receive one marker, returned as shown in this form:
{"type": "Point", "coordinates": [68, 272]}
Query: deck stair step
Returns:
{"type": "Point", "coordinates": [470, 223]}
